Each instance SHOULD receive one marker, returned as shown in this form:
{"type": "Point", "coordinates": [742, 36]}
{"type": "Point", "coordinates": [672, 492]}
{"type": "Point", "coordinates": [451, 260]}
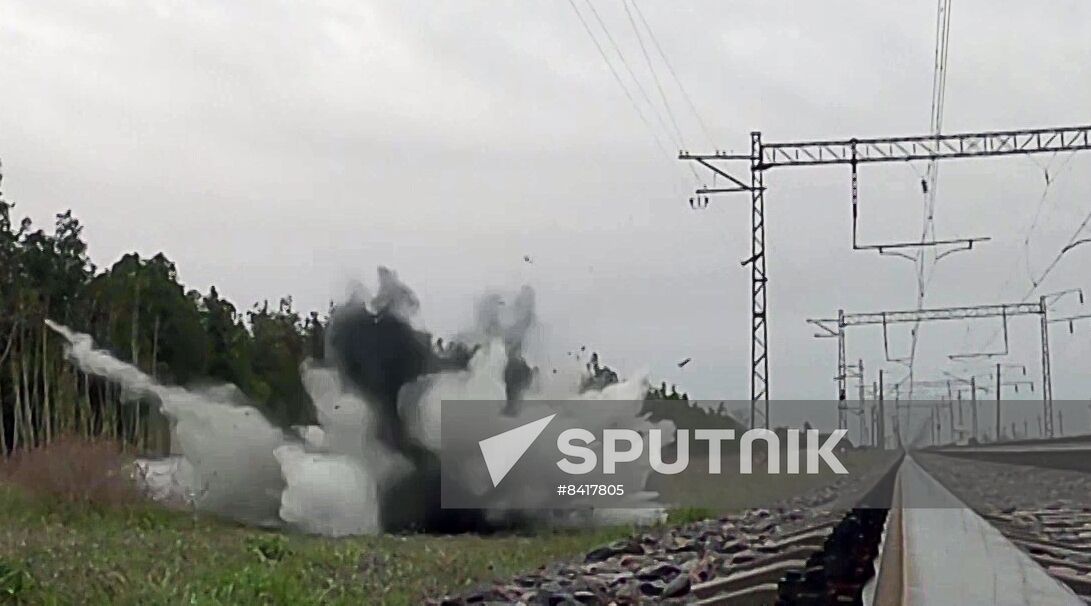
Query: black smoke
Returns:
{"type": "Point", "coordinates": [381, 354]}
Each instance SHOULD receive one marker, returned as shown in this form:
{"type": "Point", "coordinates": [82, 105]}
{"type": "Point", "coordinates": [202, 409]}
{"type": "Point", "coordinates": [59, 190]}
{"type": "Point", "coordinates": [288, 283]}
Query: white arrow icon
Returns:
{"type": "Point", "coordinates": [504, 450]}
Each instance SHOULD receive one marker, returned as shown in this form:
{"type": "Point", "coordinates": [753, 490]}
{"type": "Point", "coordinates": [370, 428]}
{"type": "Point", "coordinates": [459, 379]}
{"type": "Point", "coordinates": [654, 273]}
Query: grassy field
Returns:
{"type": "Point", "coordinates": [57, 552]}
{"type": "Point", "coordinates": [66, 554]}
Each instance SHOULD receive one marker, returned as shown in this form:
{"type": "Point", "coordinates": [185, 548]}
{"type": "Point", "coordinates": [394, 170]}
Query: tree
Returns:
{"type": "Point", "coordinates": [280, 343]}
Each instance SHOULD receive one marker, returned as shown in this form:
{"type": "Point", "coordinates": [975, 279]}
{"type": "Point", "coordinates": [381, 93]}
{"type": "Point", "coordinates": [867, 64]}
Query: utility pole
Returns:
{"type": "Point", "coordinates": [897, 415]}
{"type": "Point", "coordinates": [998, 402]}
{"type": "Point", "coordinates": [836, 327]}
{"type": "Point", "coordinates": [875, 422]}
{"type": "Point", "coordinates": [842, 378]}
{"type": "Point", "coordinates": [1000, 385]}
{"type": "Point", "coordinates": [861, 397]}
{"type": "Point", "coordinates": [853, 152]}
{"type": "Point", "coordinates": [759, 327]}
{"type": "Point", "coordinates": [951, 410]}
{"type": "Point", "coordinates": [882, 414]}
{"type": "Point", "coordinates": [874, 425]}
{"type": "Point", "coordinates": [973, 408]}
{"type": "Point", "coordinates": [897, 429]}
{"type": "Point", "coordinates": [961, 422]}
{"type": "Point", "coordinates": [1047, 381]}
{"type": "Point", "coordinates": [933, 424]}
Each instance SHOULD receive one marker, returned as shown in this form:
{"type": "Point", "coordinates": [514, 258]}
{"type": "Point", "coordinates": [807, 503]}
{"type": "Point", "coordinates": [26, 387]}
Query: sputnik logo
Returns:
{"type": "Point", "coordinates": [503, 451]}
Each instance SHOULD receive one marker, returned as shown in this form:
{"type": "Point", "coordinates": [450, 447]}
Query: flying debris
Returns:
{"type": "Point", "coordinates": [684, 362]}
{"type": "Point", "coordinates": [924, 186]}
{"type": "Point", "coordinates": [526, 259]}
{"type": "Point", "coordinates": [371, 462]}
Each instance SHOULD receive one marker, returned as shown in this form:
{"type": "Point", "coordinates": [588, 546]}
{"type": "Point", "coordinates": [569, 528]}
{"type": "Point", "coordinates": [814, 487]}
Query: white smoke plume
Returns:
{"type": "Point", "coordinates": [369, 464]}
{"type": "Point", "coordinates": [228, 465]}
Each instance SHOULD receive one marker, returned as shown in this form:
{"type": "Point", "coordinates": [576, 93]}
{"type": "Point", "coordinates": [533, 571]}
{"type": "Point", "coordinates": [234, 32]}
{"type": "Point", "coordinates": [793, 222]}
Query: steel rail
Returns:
{"type": "Point", "coordinates": [933, 550]}
{"type": "Point", "coordinates": [936, 550]}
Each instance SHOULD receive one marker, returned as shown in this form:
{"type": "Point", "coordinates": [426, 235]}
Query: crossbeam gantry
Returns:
{"type": "Point", "coordinates": [764, 156]}
{"type": "Point", "coordinates": [835, 327]}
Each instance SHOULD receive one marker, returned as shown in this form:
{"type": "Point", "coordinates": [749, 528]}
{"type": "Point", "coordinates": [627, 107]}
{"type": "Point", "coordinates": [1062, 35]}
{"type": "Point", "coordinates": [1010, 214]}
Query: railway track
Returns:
{"type": "Point", "coordinates": [835, 567]}
{"type": "Point", "coordinates": [735, 559]}
{"type": "Point", "coordinates": [1057, 539]}
{"type": "Point", "coordinates": [932, 548]}
{"type": "Point", "coordinates": [909, 541]}
{"type": "Point", "coordinates": [1044, 510]}
{"type": "Point", "coordinates": [940, 551]}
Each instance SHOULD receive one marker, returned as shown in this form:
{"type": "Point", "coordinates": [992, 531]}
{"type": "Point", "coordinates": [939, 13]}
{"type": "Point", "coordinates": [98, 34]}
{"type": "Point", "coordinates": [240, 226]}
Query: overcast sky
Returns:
{"type": "Point", "coordinates": [287, 148]}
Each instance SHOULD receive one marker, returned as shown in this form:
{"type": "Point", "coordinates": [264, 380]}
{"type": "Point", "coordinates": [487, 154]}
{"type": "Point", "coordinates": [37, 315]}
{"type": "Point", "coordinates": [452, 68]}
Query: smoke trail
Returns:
{"type": "Point", "coordinates": [228, 465]}
{"type": "Point", "coordinates": [372, 462]}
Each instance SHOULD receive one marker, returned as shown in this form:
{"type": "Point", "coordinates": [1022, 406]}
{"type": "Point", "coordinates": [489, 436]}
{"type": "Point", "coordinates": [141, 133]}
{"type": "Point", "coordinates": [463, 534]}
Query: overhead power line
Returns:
{"type": "Point", "coordinates": [617, 78]}
{"type": "Point", "coordinates": [655, 76]}
{"type": "Point", "coordinates": [674, 75]}
{"type": "Point", "coordinates": [659, 86]}
{"type": "Point", "coordinates": [928, 228]}
{"type": "Point", "coordinates": [1072, 243]}
{"type": "Point", "coordinates": [628, 68]}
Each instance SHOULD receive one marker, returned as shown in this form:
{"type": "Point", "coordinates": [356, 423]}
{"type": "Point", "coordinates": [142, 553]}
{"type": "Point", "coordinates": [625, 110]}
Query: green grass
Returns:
{"type": "Point", "coordinates": [56, 553]}
{"type": "Point", "coordinates": [64, 554]}
{"type": "Point", "coordinates": [679, 516]}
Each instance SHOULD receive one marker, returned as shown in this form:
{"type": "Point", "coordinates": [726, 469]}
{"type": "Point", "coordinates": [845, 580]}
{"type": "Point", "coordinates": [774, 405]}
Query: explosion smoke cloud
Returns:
{"type": "Point", "coordinates": [372, 462]}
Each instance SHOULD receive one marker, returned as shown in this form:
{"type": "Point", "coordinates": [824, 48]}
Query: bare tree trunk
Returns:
{"type": "Point", "coordinates": [28, 392]}
{"type": "Point", "coordinates": [114, 404]}
{"type": "Point", "coordinates": [10, 343]}
{"type": "Point", "coordinates": [3, 429]}
{"type": "Point", "coordinates": [134, 329]}
{"type": "Point", "coordinates": [65, 399]}
{"type": "Point", "coordinates": [155, 349]}
{"type": "Point", "coordinates": [77, 410]}
{"type": "Point", "coordinates": [88, 412]}
{"type": "Point", "coordinates": [151, 430]}
{"type": "Point", "coordinates": [104, 410]}
{"type": "Point", "coordinates": [89, 409]}
{"type": "Point", "coordinates": [71, 397]}
{"type": "Point", "coordinates": [109, 426]}
{"type": "Point", "coordinates": [17, 417]}
{"type": "Point", "coordinates": [134, 346]}
{"type": "Point", "coordinates": [47, 412]}
{"type": "Point", "coordinates": [3, 358]}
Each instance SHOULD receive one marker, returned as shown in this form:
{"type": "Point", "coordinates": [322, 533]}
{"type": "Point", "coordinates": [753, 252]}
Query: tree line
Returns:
{"type": "Point", "coordinates": [139, 311]}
